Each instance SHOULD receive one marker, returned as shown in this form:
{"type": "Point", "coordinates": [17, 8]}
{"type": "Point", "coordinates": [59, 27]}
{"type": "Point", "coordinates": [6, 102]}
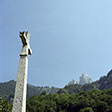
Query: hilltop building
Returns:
{"type": "Point", "coordinates": [84, 79]}
{"type": "Point", "coordinates": [73, 82]}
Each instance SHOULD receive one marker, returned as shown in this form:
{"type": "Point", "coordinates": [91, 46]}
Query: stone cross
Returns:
{"type": "Point", "coordinates": [19, 104]}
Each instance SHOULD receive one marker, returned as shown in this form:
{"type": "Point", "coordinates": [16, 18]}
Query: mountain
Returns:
{"type": "Point", "coordinates": [7, 90]}
{"type": "Point", "coordinates": [104, 82]}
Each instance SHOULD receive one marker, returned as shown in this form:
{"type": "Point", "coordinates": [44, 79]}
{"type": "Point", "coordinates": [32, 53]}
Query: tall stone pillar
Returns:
{"type": "Point", "coordinates": [19, 104]}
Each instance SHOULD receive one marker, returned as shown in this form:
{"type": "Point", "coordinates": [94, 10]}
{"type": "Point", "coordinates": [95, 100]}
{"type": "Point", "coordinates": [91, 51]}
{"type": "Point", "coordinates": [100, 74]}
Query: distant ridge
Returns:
{"type": "Point", "coordinates": [105, 82]}
{"type": "Point", "coordinates": [7, 90]}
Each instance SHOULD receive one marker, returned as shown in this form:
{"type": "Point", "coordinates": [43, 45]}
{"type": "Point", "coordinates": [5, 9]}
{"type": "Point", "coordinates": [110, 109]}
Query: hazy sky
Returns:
{"type": "Point", "coordinates": [68, 37]}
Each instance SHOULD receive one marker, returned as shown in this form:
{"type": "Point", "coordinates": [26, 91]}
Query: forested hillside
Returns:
{"type": "Point", "coordinates": [105, 82]}
{"type": "Point", "coordinates": [7, 90]}
{"type": "Point", "coordinates": [94, 97]}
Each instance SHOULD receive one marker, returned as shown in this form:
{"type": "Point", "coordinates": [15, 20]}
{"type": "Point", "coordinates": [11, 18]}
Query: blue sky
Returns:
{"type": "Point", "coordinates": [68, 37]}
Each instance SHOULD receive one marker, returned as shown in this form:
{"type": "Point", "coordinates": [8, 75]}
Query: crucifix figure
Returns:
{"type": "Point", "coordinates": [19, 104]}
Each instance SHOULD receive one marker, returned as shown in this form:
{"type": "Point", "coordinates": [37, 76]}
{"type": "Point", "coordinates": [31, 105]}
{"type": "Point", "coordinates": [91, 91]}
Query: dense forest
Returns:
{"type": "Point", "coordinates": [88, 101]}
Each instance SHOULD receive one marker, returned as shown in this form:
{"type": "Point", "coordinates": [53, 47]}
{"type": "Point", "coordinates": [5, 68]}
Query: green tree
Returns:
{"type": "Point", "coordinates": [43, 93]}
{"type": "Point", "coordinates": [5, 106]}
{"type": "Point", "coordinates": [87, 109]}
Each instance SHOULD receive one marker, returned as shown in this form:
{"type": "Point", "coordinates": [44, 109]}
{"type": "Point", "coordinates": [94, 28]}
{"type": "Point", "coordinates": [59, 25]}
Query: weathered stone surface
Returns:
{"type": "Point", "coordinates": [25, 38]}
{"type": "Point", "coordinates": [19, 104]}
